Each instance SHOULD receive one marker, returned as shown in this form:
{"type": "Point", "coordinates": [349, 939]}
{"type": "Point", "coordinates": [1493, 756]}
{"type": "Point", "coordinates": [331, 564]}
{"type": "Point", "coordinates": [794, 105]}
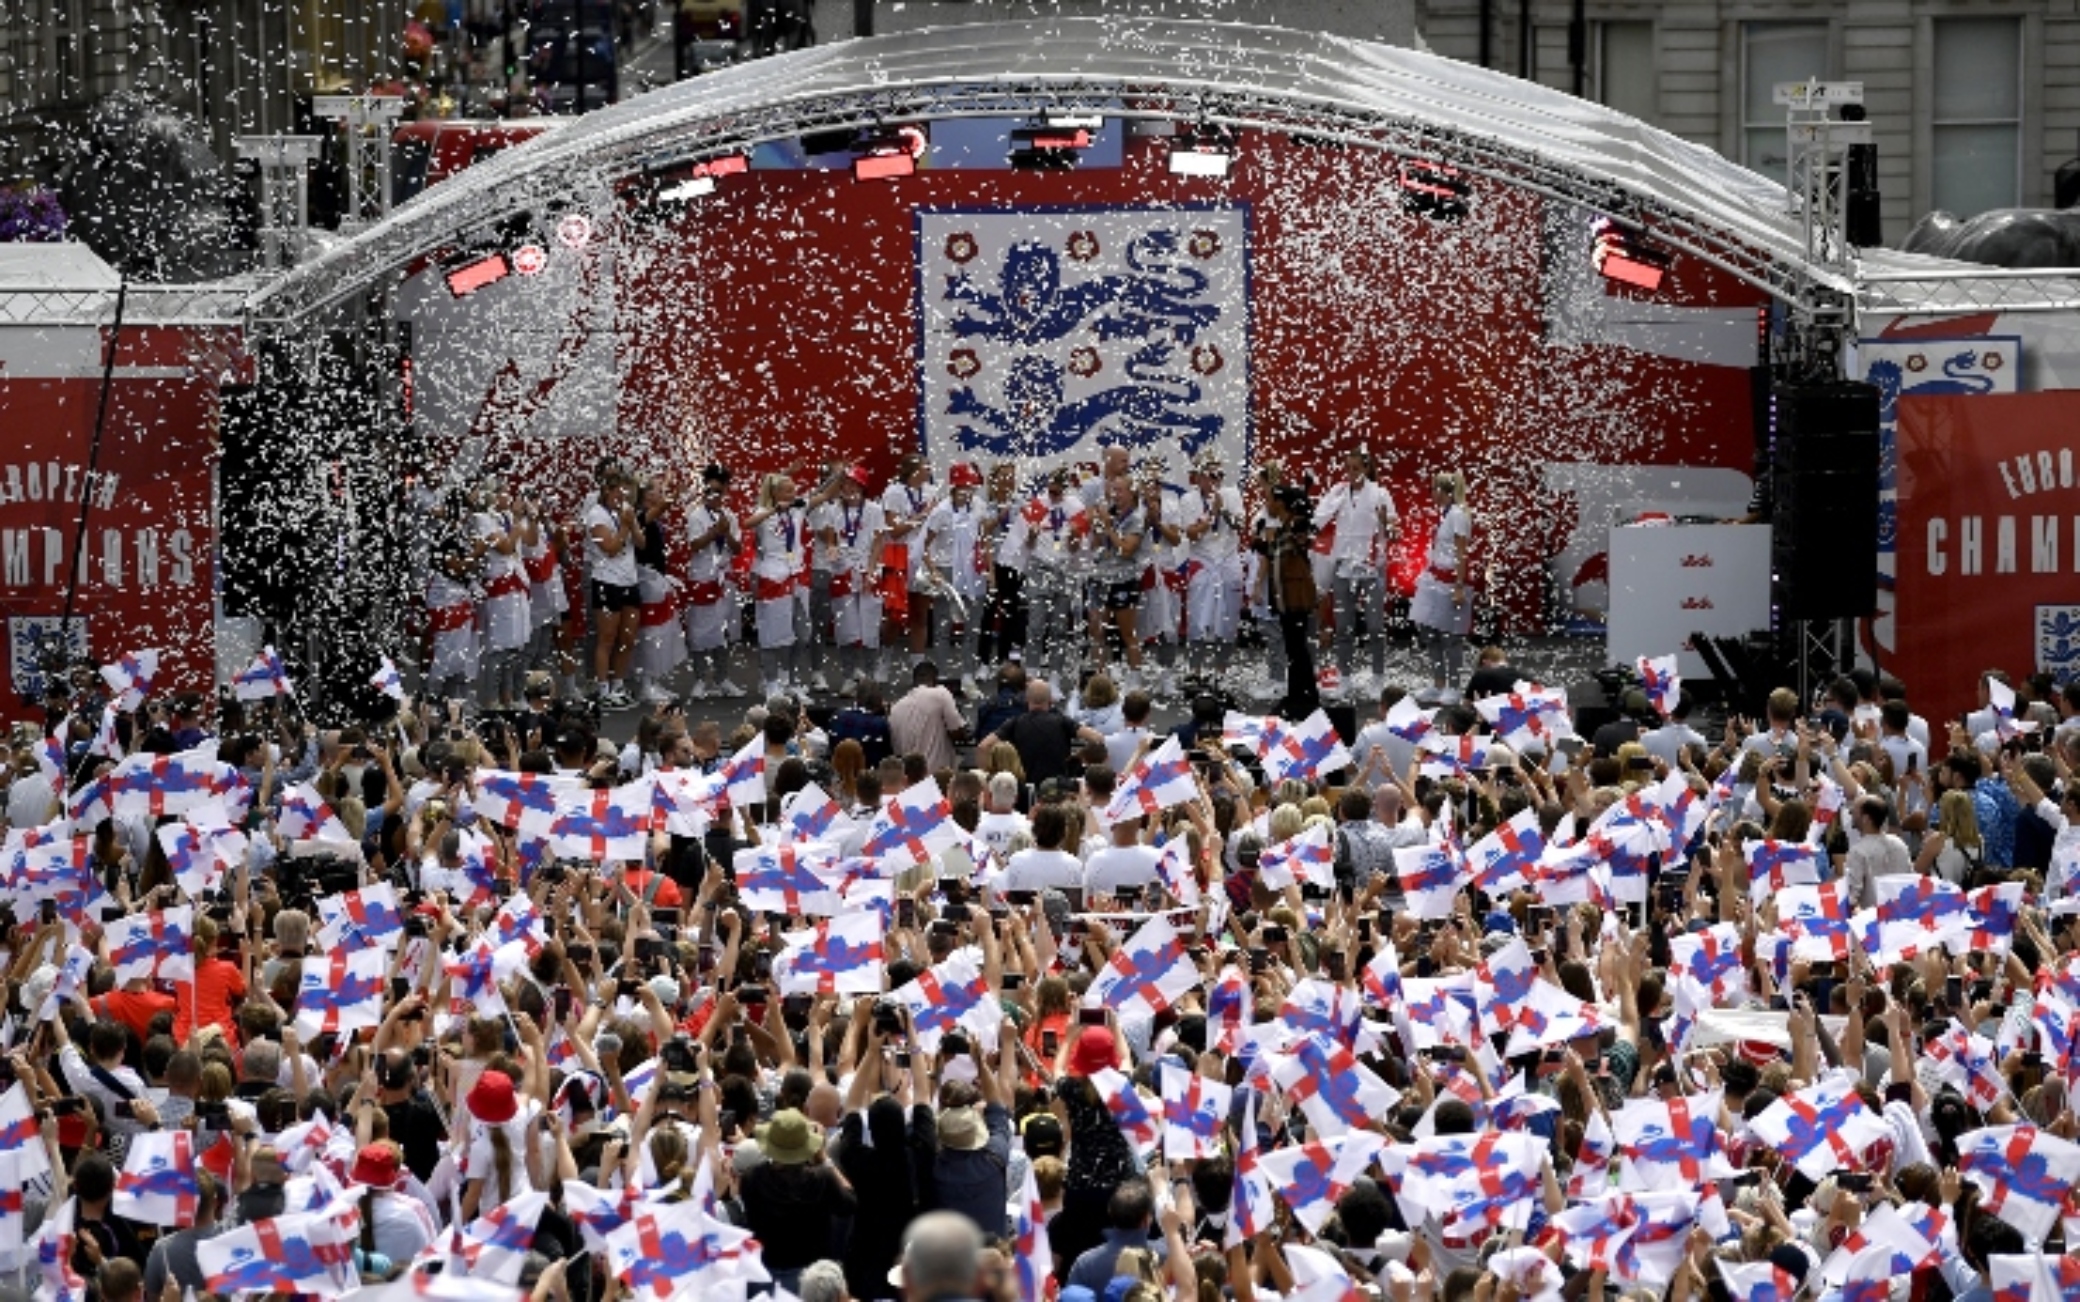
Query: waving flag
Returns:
{"type": "Point", "coordinates": [839, 955]}
{"type": "Point", "coordinates": [1161, 779]}
{"type": "Point", "coordinates": [1759, 1281]}
{"type": "Point", "coordinates": [1381, 977]}
{"type": "Point", "coordinates": [105, 741]}
{"type": "Point", "coordinates": [1821, 1128]}
{"type": "Point", "coordinates": [1591, 1175]}
{"type": "Point", "coordinates": [387, 680]}
{"type": "Point", "coordinates": [1487, 1178]}
{"type": "Point", "coordinates": [1305, 750]}
{"type": "Point", "coordinates": [157, 1184]}
{"type": "Point", "coordinates": [1506, 858]}
{"type": "Point", "coordinates": [1334, 1012]}
{"type": "Point", "coordinates": [19, 1134]}
{"type": "Point", "coordinates": [678, 1250]}
{"type": "Point", "coordinates": [262, 680]}
{"type": "Point", "coordinates": [744, 775]}
{"type": "Point", "coordinates": [1031, 1253]}
{"type": "Point", "coordinates": [1252, 732]}
{"type": "Point", "coordinates": [306, 817]}
{"type": "Point", "coordinates": [1928, 905]}
{"type": "Point", "coordinates": [2001, 699]}
{"type": "Point", "coordinates": [1229, 1005]}
{"type": "Point", "coordinates": [1410, 722]}
{"type": "Point", "coordinates": [1438, 1009]}
{"type": "Point", "coordinates": [1662, 680]}
{"type": "Point", "coordinates": [1312, 1176]}
{"type": "Point", "coordinates": [54, 1248]}
{"type": "Point", "coordinates": [1139, 1117]}
{"type": "Point", "coordinates": [1318, 1276]}
{"type": "Point", "coordinates": [1966, 1061]}
{"type": "Point", "coordinates": [1671, 1144]}
{"type": "Point", "coordinates": [811, 815]}
{"type": "Point", "coordinates": [472, 880]}
{"type": "Point", "coordinates": [1912, 1239]}
{"type": "Point", "coordinates": [284, 1254]}
{"type": "Point", "coordinates": [52, 764]}
{"type": "Point", "coordinates": [1994, 912]}
{"type": "Point", "coordinates": [1174, 867]}
{"type": "Point", "coordinates": [1327, 1083]}
{"type": "Point", "coordinates": [1501, 984]}
{"type": "Point", "coordinates": [1431, 878]}
{"type": "Point", "coordinates": [369, 915]}
{"type": "Point", "coordinates": [1147, 974]}
{"type": "Point", "coordinates": [524, 801]}
{"type": "Point", "coordinates": [606, 825]}
{"type": "Point", "coordinates": [1572, 874]}
{"type": "Point", "coordinates": [1711, 958]}
{"type": "Point", "coordinates": [1775, 865]}
{"type": "Point", "coordinates": [952, 994]}
{"type": "Point", "coordinates": [913, 827]}
{"type": "Point", "coordinates": [599, 1212]}
{"type": "Point", "coordinates": [2037, 1277]}
{"type": "Point", "coordinates": [495, 1246]}
{"type": "Point", "coordinates": [1194, 1110]}
{"type": "Point", "coordinates": [1447, 756]}
{"type": "Point", "coordinates": [2025, 1175]}
{"type": "Point", "coordinates": [1250, 1211]}
{"type": "Point", "coordinates": [155, 786]}
{"type": "Point", "coordinates": [1305, 856]}
{"type": "Point", "coordinates": [1549, 1015]}
{"type": "Point", "coordinates": [802, 878]}
{"type": "Point", "coordinates": [129, 679]}
{"type": "Point", "coordinates": [1592, 1233]}
{"type": "Point", "coordinates": [1817, 920]}
{"type": "Point", "coordinates": [342, 991]}
{"type": "Point", "coordinates": [1528, 716]}
{"type": "Point", "coordinates": [1827, 807]}
{"type": "Point", "coordinates": [199, 849]}
{"type": "Point", "coordinates": [158, 944]}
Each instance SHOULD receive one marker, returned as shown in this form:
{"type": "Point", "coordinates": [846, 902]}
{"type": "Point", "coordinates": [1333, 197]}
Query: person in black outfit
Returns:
{"type": "Point", "coordinates": [1045, 738]}
{"type": "Point", "coordinates": [1626, 727]}
{"type": "Point", "coordinates": [892, 1181]}
{"type": "Point", "coordinates": [866, 722]}
{"type": "Point", "coordinates": [793, 1199]}
{"type": "Point", "coordinates": [1007, 704]}
{"type": "Point", "coordinates": [1493, 675]}
{"type": "Point", "coordinates": [415, 1123]}
{"type": "Point", "coordinates": [1286, 541]}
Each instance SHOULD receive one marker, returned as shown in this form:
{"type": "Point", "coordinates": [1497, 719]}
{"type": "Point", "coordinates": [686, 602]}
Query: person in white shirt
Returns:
{"type": "Point", "coordinates": [780, 528]}
{"type": "Point", "coordinates": [953, 569]}
{"type": "Point", "coordinates": [849, 533]}
{"type": "Point", "coordinates": [1382, 754]}
{"type": "Point", "coordinates": [906, 502]}
{"type": "Point", "coordinates": [508, 618]}
{"type": "Point", "coordinates": [1055, 528]}
{"type": "Point", "coordinates": [1002, 822]}
{"type": "Point", "coordinates": [1361, 514]}
{"type": "Point", "coordinates": [1126, 863]}
{"type": "Point", "coordinates": [1876, 852]}
{"type": "Point", "coordinates": [1210, 517]}
{"type": "Point", "coordinates": [713, 537]}
{"type": "Point", "coordinates": [1892, 689]}
{"type": "Point", "coordinates": [1003, 627]}
{"type": "Point", "coordinates": [1666, 742]}
{"type": "Point", "coordinates": [610, 553]}
{"type": "Point", "coordinates": [1046, 865]}
{"type": "Point", "coordinates": [1123, 747]}
{"type": "Point", "coordinates": [1442, 608]}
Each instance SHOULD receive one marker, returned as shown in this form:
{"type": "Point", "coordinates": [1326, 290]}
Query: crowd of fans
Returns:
{"type": "Point", "coordinates": [1028, 999]}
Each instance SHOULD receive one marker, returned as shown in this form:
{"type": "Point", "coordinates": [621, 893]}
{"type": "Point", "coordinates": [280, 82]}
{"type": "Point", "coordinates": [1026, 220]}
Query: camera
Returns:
{"type": "Point", "coordinates": [888, 1016]}
{"type": "Point", "coordinates": [677, 1054]}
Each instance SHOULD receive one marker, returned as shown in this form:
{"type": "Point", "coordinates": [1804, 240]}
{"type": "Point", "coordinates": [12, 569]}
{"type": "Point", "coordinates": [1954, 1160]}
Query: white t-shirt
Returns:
{"type": "Point", "coordinates": [710, 563]}
{"type": "Point", "coordinates": [1120, 865]}
{"type": "Point", "coordinates": [1120, 747]}
{"type": "Point", "coordinates": [844, 534]}
{"type": "Point", "coordinates": [997, 830]}
{"type": "Point", "coordinates": [1224, 508]}
{"type": "Point", "coordinates": [1666, 742]}
{"type": "Point", "coordinates": [619, 569]}
{"type": "Point", "coordinates": [1036, 870]}
{"type": "Point", "coordinates": [783, 536]}
{"type": "Point", "coordinates": [1354, 513]}
{"type": "Point", "coordinates": [1443, 555]}
{"type": "Point", "coordinates": [950, 534]}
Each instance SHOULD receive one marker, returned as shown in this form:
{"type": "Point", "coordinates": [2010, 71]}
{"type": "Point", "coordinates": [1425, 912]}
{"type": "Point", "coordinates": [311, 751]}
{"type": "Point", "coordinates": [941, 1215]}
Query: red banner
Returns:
{"type": "Point", "coordinates": [1989, 543]}
{"type": "Point", "coordinates": [143, 565]}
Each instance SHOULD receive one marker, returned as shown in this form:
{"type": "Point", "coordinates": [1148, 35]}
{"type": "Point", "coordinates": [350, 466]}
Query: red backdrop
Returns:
{"type": "Point", "coordinates": [1989, 542]}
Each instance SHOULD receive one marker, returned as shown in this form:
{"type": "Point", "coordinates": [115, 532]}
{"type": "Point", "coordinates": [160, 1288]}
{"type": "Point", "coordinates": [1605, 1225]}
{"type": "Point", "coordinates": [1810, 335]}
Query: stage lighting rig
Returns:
{"type": "Point", "coordinates": [888, 153]}
{"type": "Point", "coordinates": [475, 271]}
{"type": "Point", "coordinates": [1434, 190]}
{"type": "Point", "coordinates": [700, 180]}
{"type": "Point", "coordinates": [1627, 256]}
{"type": "Point", "coordinates": [1053, 146]}
{"type": "Point", "coordinates": [1202, 150]}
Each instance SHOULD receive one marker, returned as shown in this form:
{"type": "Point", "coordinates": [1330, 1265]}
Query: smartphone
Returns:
{"type": "Point", "coordinates": [1953, 991]}
{"type": "Point", "coordinates": [1853, 1181]}
{"type": "Point", "coordinates": [1090, 1016]}
{"type": "Point", "coordinates": [751, 996]}
{"type": "Point", "coordinates": [1333, 963]}
{"type": "Point", "coordinates": [399, 988]}
{"type": "Point", "coordinates": [1013, 980]}
{"type": "Point", "coordinates": [124, 1108]}
{"type": "Point", "coordinates": [1021, 897]}
{"type": "Point", "coordinates": [665, 917]}
{"type": "Point", "coordinates": [1129, 897]}
{"type": "Point", "coordinates": [561, 998]}
{"type": "Point", "coordinates": [581, 955]}
{"type": "Point", "coordinates": [1274, 934]}
{"type": "Point", "coordinates": [906, 912]}
{"type": "Point", "coordinates": [1899, 1091]}
{"type": "Point", "coordinates": [67, 1107]}
{"type": "Point", "coordinates": [47, 911]}
{"type": "Point", "coordinates": [1259, 958]}
{"type": "Point", "coordinates": [1050, 1043]}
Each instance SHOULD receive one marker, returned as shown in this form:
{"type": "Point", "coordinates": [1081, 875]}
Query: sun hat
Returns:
{"type": "Point", "coordinates": [961, 1130]}
{"type": "Point", "coordinates": [1094, 1051]}
{"type": "Point", "coordinates": [378, 1166]}
{"type": "Point", "coordinates": [790, 1138]}
{"type": "Point", "coordinates": [491, 1098]}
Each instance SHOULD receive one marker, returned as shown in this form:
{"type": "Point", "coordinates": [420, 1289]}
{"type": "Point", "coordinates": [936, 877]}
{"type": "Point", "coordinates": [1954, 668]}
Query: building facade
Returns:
{"type": "Point", "coordinates": [1974, 103]}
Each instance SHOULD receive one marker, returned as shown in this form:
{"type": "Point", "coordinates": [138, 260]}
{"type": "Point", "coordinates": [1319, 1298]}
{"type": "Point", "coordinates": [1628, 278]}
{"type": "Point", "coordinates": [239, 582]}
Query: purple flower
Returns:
{"type": "Point", "coordinates": [30, 215]}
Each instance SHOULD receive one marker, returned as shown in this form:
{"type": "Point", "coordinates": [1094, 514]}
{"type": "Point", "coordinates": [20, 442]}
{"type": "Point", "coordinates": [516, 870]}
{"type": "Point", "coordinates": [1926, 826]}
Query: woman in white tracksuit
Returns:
{"type": "Point", "coordinates": [849, 531]}
{"type": "Point", "coordinates": [779, 571]}
{"type": "Point", "coordinates": [661, 638]}
{"type": "Point", "coordinates": [1442, 609]}
{"type": "Point", "coordinates": [508, 619]}
{"type": "Point", "coordinates": [714, 536]}
{"type": "Point", "coordinates": [954, 568]}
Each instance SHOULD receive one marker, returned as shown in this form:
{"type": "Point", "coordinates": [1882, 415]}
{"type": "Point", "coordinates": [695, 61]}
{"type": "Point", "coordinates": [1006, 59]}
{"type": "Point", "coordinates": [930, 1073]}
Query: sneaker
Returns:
{"type": "Point", "coordinates": [700, 691]}
{"type": "Point", "coordinates": [819, 684]}
{"type": "Point", "coordinates": [616, 697]}
{"type": "Point", "coordinates": [653, 694]}
{"type": "Point", "coordinates": [725, 686]}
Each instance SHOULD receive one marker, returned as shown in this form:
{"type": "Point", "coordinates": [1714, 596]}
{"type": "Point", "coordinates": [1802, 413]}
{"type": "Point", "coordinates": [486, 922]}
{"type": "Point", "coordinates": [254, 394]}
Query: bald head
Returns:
{"type": "Point", "coordinates": [825, 1106]}
{"type": "Point", "coordinates": [1039, 695]}
{"type": "Point", "coordinates": [942, 1257]}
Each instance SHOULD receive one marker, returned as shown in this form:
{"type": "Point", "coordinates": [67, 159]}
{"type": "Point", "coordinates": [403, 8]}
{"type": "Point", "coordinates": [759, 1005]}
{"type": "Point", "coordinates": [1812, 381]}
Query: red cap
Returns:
{"type": "Point", "coordinates": [491, 1098]}
{"type": "Point", "coordinates": [964, 475]}
{"type": "Point", "coordinates": [857, 474]}
{"type": "Point", "coordinates": [1094, 1051]}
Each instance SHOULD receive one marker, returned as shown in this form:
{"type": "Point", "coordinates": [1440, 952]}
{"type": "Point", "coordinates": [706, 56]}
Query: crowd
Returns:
{"type": "Point", "coordinates": [1022, 998]}
{"type": "Point", "coordinates": [834, 583]}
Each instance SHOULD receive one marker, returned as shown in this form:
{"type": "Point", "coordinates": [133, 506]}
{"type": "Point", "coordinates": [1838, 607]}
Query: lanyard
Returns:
{"type": "Point", "coordinates": [852, 519]}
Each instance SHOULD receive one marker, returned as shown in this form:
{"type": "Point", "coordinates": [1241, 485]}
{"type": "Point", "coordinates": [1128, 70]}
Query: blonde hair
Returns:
{"type": "Point", "coordinates": [1452, 484]}
{"type": "Point", "coordinates": [1100, 692]}
{"type": "Point", "coordinates": [1286, 822]}
{"type": "Point", "coordinates": [1958, 821]}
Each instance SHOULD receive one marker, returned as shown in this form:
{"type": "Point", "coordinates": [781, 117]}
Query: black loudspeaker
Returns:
{"type": "Point", "coordinates": [1344, 718]}
{"type": "Point", "coordinates": [1824, 545]}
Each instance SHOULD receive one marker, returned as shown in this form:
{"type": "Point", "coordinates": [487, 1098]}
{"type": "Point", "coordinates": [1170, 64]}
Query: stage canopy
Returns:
{"type": "Point", "coordinates": [1404, 101]}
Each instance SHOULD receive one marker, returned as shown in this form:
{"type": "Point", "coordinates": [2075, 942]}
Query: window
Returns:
{"type": "Point", "coordinates": [1772, 53]}
{"type": "Point", "coordinates": [1624, 54]}
{"type": "Point", "coordinates": [1977, 137]}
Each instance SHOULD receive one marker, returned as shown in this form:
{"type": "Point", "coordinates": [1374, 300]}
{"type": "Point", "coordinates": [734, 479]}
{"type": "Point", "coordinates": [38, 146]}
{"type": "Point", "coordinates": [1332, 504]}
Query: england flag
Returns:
{"type": "Point", "coordinates": [800, 879]}
{"type": "Point", "coordinates": [283, 1254]}
{"type": "Point", "coordinates": [950, 995]}
{"type": "Point", "coordinates": [1306, 750]}
{"type": "Point", "coordinates": [305, 816]}
{"type": "Point", "coordinates": [839, 955]}
{"type": "Point", "coordinates": [1312, 1176]}
{"type": "Point", "coordinates": [1163, 778]}
{"type": "Point", "coordinates": [1336, 1092]}
{"type": "Point", "coordinates": [130, 678]}
{"type": "Point", "coordinates": [1146, 974]}
{"type": "Point", "coordinates": [342, 991]}
{"type": "Point", "coordinates": [1431, 878]}
{"type": "Point", "coordinates": [1195, 1108]}
{"type": "Point", "coordinates": [913, 827]}
{"type": "Point", "coordinates": [1661, 678]}
{"type": "Point", "coordinates": [158, 944]}
{"type": "Point", "coordinates": [1505, 858]}
{"type": "Point", "coordinates": [157, 1184]}
{"type": "Point", "coordinates": [2026, 1176]}
{"type": "Point", "coordinates": [263, 679]}
{"type": "Point", "coordinates": [1306, 856]}
{"type": "Point", "coordinates": [1821, 1128]}
{"type": "Point", "coordinates": [388, 681]}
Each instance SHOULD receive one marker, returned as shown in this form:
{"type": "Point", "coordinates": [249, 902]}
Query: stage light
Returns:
{"type": "Point", "coordinates": [887, 154]}
{"type": "Point", "coordinates": [701, 180]}
{"type": "Point", "coordinates": [1049, 148]}
{"type": "Point", "coordinates": [1433, 190]}
{"type": "Point", "coordinates": [473, 275]}
{"type": "Point", "coordinates": [1202, 151]}
{"type": "Point", "coordinates": [1627, 257]}
{"type": "Point", "coordinates": [1073, 121]}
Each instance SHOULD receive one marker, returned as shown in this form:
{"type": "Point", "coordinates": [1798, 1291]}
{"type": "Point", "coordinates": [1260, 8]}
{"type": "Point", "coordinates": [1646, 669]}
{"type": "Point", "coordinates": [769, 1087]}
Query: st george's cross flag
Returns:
{"type": "Point", "coordinates": [201, 847]}
{"type": "Point", "coordinates": [1774, 865]}
{"type": "Point", "coordinates": [678, 1250]}
{"type": "Point", "coordinates": [799, 879]}
{"type": "Point", "coordinates": [305, 816]}
{"type": "Point", "coordinates": [523, 802]}
{"type": "Point", "coordinates": [283, 1254]}
{"type": "Point", "coordinates": [839, 955]}
{"type": "Point", "coordinates": [130, 678]}
{"type": "Point", "coordinates": [610, 825]}
{"type": "Point", "coordinates": [1527, 717]}
{"type": "Point", "coordinates": [494, 1246]}
{"type": "Point", "coordinates": [811, 815]}
{"type": "Point", "coordinates": [157, 1184]}
{"type": "Point", "coordinates": [2025, 1175]}
{"type": "Point", "coordinates": [1160, 780]}
{"type": "Point", "coordinates": [1913, 1238]}
{"type": "Point", "coordinates": [1661, 678]}
{"type": "Point", "coordinates": [1138, 1116]}
{"type": "Point", "coordinates": [955, 994]}
{"type": "Point", "coordinates": [1312, 1176]}
{"type": "Point", "coordinates": [1305, 750]}
{"type": "Point", "coordinates": [1195, 1110]}
{"type": "Point", "coordinates": [1147, 974]}
{"type": "Point", "coordinates": [1032, 1257]}
{"type": "Point", "coordinates": [912, 828]}
{"type": "Point", "coordinates": [263, 679]}
{"type": "Point", "coordinates": [1307, 856]}
{"type": "Point", "coordinates": [342, 991]}
{"type": "Point", "coordinates": [1505, 858]}
{"type": "Point", "coordinates": [158, 944]}
{"type": "Point", "coordinates": [1229, 1004]}
{"type": "Point", "coordinates": [368, 916]}
{"type": "Point", "coordinates": [1336, 1092]}
{"type": "Point", "coordinates": [1250, 1210]}
{"type": "Point", "coordinates": [2036, 1277]}
{"type": "Point", "coordinates": [1431, 877]}
{"type": "Point", "coordinates": [1821, 1128]}
{"type": "Point", "coordinates": [744, 775]}
{"type": "Point", "coordinates": [387, 680]}
{"type": "Point", "coordinates": [1671, 1143]}
{"type": "Point", "coordinates": [1711, 958]}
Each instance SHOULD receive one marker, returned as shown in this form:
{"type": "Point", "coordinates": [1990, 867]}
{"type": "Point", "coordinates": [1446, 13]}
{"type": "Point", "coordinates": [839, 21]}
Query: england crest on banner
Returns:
{"type": "Point", "coordinates": [2058, 642]}
{"type": "Point", "coordinates": [1045, 335]}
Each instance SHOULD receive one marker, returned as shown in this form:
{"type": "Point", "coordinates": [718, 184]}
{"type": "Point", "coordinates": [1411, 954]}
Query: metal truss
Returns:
{"type": "Point", "coordinates": [1950, 290]}
{"type": "Point", "coordinates": [215, 303]}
